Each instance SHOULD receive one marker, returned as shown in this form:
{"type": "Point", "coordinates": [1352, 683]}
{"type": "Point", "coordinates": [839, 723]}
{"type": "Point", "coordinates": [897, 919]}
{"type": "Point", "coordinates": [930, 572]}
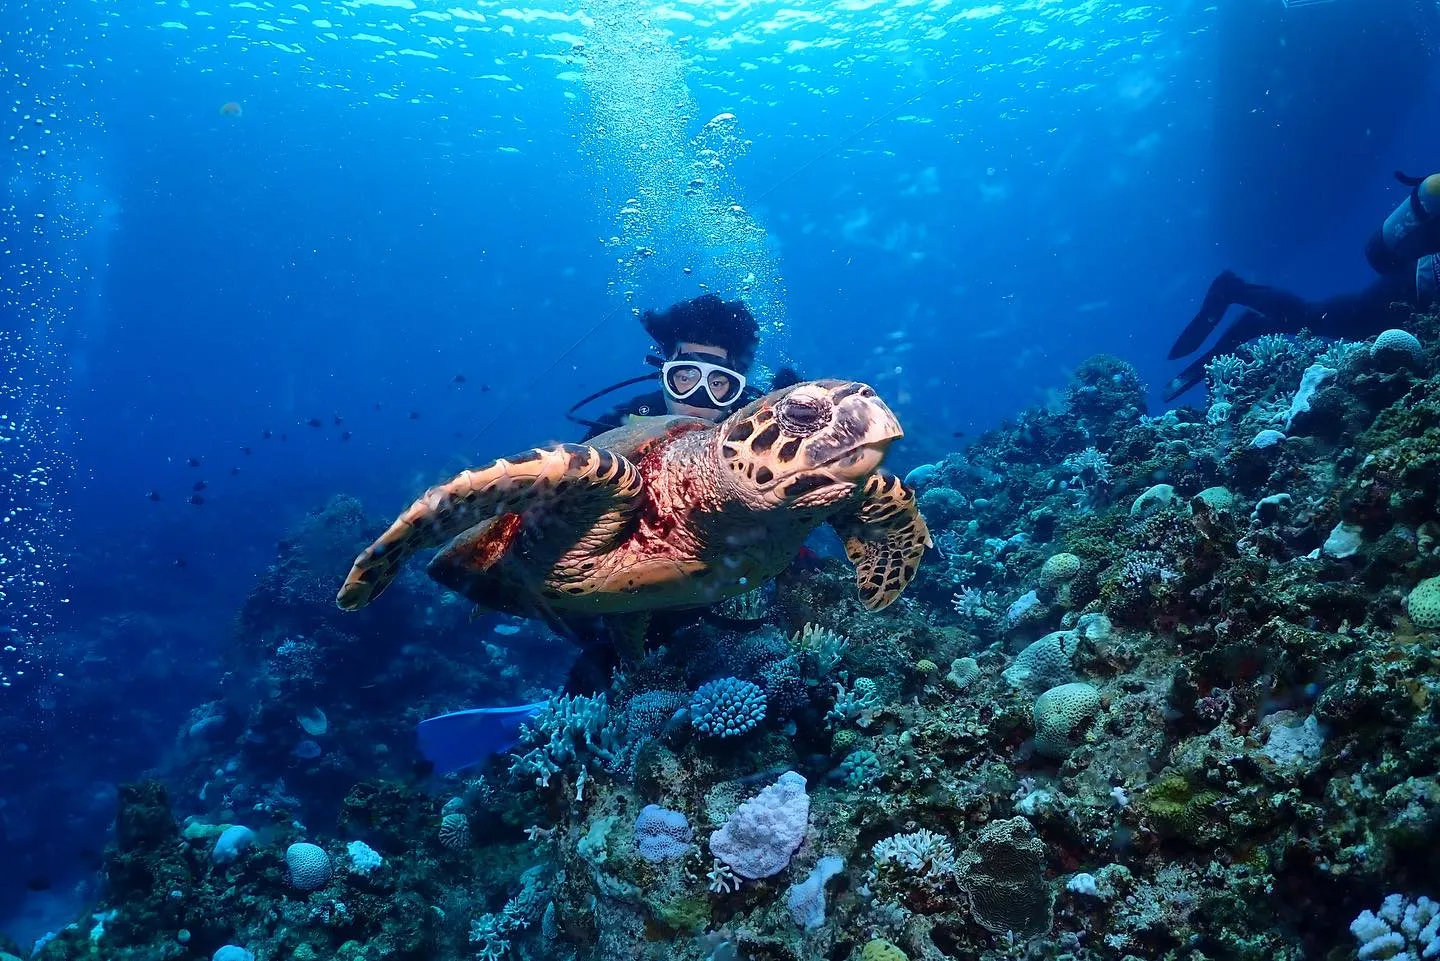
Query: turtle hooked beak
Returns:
{"type": "Point", "coordinates": [863, 460]}
{"type": "Point", "coordinates": [871, 428]}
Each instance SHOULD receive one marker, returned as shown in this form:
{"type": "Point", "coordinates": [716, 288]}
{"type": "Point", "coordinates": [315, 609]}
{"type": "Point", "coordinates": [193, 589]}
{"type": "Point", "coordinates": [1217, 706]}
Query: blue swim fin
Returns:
{"type": "Point", "coordinates": [463, 739]}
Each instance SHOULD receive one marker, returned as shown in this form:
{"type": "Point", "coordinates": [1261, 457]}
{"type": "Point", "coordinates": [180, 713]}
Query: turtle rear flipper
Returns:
{"type": "Point", "coordinates": [884, 537]}
{"type": "Point", "coordinates": [544, 487]}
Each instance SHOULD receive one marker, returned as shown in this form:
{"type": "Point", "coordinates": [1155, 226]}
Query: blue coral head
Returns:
{"type": "Point", "coordinates": [727, 707]}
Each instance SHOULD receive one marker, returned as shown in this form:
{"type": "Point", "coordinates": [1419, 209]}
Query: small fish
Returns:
{"type": "Point", "coordinates": [199, 486]}
{"type": "Point", "coordinates": [196, 499]}
{"type": "Point", "coordinates": [153, 495]}
{"type": "Point", "coordinates": [958, 434]}
{"type": "Point", "coordinates": [506, 630]}
{"type": "Point", "coordinates": [459, 378]}
{"type": "Point", "coordinates": [245, 451]}
{"type": "Point", "coordinates": [346, 436]}
{"type": "Point", "coordinates": [377, 405]}
{"type": "Point", "coordinates": [284, 436]}
{"type": "Point", "coordinates": [339, 420]}
{"type": "Point", "coordinates": [484, 388]}
{"type": "Point", "coordinates": [414, 415]}
{"type": "Point", "coordinates": [181, 562]}
{"type": "Point", "coordinates": [234, 471]}
{"type": "Point", "coordinates": [38, 883]}
{"type": "Point", "coordinates": [313, 422]}
{"type": "Point", "coordinates": [266, 434]}
{"type": "Point", "coordinates": [193, 461]}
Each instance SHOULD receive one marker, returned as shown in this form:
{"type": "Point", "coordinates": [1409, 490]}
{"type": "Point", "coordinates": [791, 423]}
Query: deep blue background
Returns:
{"type": "Point", "coordinates": [1074, 184]}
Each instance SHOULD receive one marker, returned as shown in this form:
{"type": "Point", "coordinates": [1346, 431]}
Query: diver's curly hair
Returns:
{"type": "Point", "coordinates": [706, 320]}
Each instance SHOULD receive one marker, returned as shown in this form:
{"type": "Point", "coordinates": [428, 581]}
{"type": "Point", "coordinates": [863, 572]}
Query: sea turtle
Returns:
{"type": "Point", "coordinates": [666, 512]}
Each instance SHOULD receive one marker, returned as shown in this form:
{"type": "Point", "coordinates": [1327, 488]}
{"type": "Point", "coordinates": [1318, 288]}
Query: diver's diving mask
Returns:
{"type": "Point", "coordinates": [683, 379]}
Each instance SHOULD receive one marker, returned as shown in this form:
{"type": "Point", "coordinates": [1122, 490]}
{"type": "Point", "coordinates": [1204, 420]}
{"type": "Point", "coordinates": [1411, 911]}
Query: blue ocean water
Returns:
{"type": "Point", "coordinates": [404, 223]}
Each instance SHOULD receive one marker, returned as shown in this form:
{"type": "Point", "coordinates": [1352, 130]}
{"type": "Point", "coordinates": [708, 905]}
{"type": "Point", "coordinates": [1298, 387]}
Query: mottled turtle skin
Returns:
{"type": "Point", "coordinates": [666, 512]}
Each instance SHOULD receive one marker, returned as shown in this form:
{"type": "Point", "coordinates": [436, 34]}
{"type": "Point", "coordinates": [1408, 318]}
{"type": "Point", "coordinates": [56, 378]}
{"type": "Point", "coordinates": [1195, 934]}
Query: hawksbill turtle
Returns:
{"type": "Point", "coordinates": [666, 512]}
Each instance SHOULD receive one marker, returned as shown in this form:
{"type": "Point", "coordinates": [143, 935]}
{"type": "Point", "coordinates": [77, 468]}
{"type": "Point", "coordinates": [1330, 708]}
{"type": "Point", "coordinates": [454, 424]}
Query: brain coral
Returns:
{"type": "Point", "coordinates": [1397, 347]}
{"type": "Point", "coordinates": [309, 866]}
{"type": "Point", "coordinates": [1424, 604]}
{"type": "Point", "coordinates": [1045, 663]}
{"type": "Point", "coordinates": [1004, 874]}
{"type": "Point", "coordinates": [1061, 713]}
{"type": "Point", "coordinates": [1059, 567]}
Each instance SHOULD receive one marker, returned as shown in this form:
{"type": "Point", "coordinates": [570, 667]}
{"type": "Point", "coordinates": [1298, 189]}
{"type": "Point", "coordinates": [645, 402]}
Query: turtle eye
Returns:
{"type": "Point", "coordinates": [804, 415]}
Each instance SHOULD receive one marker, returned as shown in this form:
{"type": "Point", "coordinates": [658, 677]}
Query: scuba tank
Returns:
{"type": "Point", "coordinates": [1427, 282]}
{"type": "Point", "coordinates": [1412, 230]}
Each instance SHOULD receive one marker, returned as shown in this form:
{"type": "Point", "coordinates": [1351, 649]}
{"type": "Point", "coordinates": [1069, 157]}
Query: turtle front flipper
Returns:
{"type": "Point", "coordinates": [885, 537]}
{"type": "Point", "coordinates": [546, 479]}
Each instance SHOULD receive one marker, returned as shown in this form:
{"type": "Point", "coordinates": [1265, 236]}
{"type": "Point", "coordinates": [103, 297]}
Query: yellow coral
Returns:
{"type": "Point", "coordinates": [813, 636]}
{"type": "Point", "coordinates": [926, 666]}
{"type": "Point", "coordinates": [882, 950]}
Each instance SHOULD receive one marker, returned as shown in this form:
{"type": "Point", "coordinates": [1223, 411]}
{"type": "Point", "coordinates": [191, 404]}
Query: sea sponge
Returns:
{"type": "Point", "coordinates": [1156, 498]}
{"type": "Point", "coordinates": [1060, 714]}
{"type": "Point", "coordinates": [232, 843]}
{"type": "Point", "coordinates": [1423, 605]}
{"type": "Point", "coordinates": [763, 834]}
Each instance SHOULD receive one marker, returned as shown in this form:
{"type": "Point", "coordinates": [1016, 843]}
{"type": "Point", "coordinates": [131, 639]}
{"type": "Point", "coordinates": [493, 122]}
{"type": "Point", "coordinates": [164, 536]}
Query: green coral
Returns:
{"type": "Point", "coordinates": [881, 950]}
{"type": "Point", "coordinates": [1175, 808]}
{"type": "Point", "coordinates": [685, 915]}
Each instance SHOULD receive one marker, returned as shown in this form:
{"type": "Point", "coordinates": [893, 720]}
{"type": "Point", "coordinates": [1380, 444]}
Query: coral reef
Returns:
{"type": "Point", "coordinates": [1190, 712]}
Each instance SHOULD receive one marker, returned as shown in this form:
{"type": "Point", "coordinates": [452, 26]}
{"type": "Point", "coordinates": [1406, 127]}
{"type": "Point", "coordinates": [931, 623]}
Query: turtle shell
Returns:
{"type": "Point", "coordinates": [543, 557]}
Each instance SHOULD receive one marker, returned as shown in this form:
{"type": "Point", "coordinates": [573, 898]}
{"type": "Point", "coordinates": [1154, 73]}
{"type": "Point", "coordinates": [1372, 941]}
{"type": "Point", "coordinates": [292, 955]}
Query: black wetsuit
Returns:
{"type": "Point", "coordinates": [1385, 303]}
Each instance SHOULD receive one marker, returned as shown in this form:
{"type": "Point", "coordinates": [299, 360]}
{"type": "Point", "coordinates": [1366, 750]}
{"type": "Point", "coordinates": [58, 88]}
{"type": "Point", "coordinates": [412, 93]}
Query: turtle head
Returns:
{"type": "Point", "coordinates": [808, 446]}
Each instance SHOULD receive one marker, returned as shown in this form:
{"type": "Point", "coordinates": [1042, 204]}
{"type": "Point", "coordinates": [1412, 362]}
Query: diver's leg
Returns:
{"type": "Point", "coordinates": [1285, 313]}
{"type": "Point", "coordinates": [1247, 326]}
{"type": "Point", "coordinates": [1387, 302]}
{"type": "Point", "coordinates": [1217, 300]}
{"type": "Point", "coordinates": [593, 668]}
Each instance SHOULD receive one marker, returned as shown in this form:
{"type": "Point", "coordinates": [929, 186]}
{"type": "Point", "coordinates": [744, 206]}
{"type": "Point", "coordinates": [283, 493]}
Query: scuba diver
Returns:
{"type": "Point", "coordinates": [1405, 252]}
{"type": "Point", "coordinates": [706, 348]}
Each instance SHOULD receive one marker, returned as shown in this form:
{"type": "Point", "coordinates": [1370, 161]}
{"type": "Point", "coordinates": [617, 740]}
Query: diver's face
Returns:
{"type": "Point", "coordinates": [684, 381]}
